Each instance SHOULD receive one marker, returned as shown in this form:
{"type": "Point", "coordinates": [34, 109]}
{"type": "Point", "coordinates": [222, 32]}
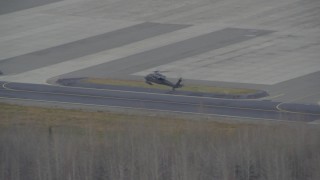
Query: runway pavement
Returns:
{"type": "Point", "coordinates": [267, 45]}
{"type": "Point", "coordinates": [85, 47]}
{"type": "Point", "coordinates": [170, 53]}
{"type": "Point", "coordinates": [251, 109]}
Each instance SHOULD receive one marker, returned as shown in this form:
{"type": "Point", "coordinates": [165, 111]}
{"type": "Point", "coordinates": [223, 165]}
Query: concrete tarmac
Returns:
{"type": "Point", "coordinates": [84, 47]}
{"type": "Point", "coordinates": [270, 45]}
{"type": "Point", "coordinates": [170, 53]}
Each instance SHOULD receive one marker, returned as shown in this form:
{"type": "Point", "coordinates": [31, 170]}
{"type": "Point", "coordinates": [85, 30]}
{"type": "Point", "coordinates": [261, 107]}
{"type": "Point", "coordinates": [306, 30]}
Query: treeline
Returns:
{"type": "Point", "coordinates": [139, 152]}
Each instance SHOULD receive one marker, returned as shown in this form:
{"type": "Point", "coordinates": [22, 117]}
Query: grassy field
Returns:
{"type": "Point", "coordinates": [188, 87]}
{"type": "Point", "coordinates": [103, 121]}
{"type": "Point", "coordinates": [50, 143]}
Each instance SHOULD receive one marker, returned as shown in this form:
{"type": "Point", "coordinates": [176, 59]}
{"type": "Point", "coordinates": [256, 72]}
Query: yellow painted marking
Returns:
{"type": "Point", "coordinates": [297, 112]}
{"type": "Point", "coordinates": [272, 97]}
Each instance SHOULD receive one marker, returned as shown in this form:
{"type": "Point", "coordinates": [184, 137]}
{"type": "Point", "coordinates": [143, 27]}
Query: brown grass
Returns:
{"type": "Point", "coordinates": [24, 115]}
{"type": "Point", "coordinates": [48, 143]}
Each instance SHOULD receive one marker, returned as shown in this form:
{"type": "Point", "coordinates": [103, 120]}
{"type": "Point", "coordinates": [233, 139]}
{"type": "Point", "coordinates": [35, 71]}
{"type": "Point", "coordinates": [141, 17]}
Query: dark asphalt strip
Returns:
{"type": "Point", "coordinates": [143, 96]}
{"type": "Point", "coordinates": [8, 6]}
{"type": "Point", "coordinates": [168, 103]}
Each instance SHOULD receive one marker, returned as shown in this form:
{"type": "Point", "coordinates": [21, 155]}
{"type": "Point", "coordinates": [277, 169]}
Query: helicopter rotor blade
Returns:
{"type": "Point", "coordinates": [161, 71]}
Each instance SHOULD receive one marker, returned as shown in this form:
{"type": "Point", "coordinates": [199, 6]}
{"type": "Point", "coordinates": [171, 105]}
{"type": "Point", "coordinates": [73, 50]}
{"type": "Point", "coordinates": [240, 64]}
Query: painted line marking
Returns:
{"type": "Point", "coordinates": [288, 111]}
{"type": "Point", "coordinates": [272, 97]}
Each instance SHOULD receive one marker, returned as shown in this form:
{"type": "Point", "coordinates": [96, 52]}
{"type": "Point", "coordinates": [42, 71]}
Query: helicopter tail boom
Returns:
{"type": "Point", "coordinates": [178, 84]}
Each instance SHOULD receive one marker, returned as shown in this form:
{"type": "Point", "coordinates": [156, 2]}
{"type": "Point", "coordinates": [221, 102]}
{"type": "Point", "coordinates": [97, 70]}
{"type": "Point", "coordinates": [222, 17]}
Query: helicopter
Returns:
{"type": "Point", "coordinates": [157, 78]}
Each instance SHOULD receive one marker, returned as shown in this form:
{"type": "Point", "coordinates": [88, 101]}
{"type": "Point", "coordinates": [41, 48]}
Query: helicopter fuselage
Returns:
{"type": "Point", "coordinates": [158, 78]}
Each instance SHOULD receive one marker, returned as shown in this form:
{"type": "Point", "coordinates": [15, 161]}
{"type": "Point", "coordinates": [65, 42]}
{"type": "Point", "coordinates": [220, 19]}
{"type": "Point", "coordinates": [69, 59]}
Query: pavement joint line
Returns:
{"type": "Point", "coordinates": [141, 100]}
{"type": "Point", "coordinates": [85, 104]}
